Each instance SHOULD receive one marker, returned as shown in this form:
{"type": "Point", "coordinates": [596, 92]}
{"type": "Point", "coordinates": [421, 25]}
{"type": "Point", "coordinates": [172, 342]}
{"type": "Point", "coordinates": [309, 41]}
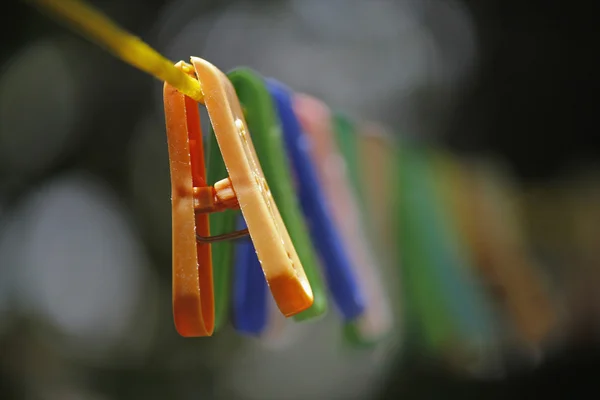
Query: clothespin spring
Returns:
{"type": "Point", "coordinates": [221, 238]}
{"type": "Point", "coordinates": [210, 199]}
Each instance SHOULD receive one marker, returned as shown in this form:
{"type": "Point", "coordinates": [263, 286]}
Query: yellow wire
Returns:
{"type": "Point", "coordinates": [129, 48]}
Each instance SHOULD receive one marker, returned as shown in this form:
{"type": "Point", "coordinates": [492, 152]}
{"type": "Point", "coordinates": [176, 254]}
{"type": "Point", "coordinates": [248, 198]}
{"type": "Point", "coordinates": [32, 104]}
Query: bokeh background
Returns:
{"type": "Point", "coordinates": [85, 309]}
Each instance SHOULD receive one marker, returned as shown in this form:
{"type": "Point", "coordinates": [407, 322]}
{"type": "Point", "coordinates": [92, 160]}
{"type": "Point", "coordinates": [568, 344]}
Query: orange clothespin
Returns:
{"type": "Point", "coordinates": [193, 296]}
{"type": "Point", "coordinates": [193, 199]}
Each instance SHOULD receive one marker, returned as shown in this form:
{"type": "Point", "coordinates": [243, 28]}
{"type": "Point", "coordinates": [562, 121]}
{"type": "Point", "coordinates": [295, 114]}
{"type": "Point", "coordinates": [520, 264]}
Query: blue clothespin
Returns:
{"type": "Point", "coordinates": [250, 308]}
{"type": "Point", "coordinates": [338, 271]}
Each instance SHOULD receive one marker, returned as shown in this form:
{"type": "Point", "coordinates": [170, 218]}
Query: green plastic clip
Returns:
{"type": "Point", "coordinates": [265, 130]}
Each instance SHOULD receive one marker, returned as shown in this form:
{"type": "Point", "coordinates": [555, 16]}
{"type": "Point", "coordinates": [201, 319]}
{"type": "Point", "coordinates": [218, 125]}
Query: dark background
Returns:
{"type": "Point", "coordinates": [529, 100]}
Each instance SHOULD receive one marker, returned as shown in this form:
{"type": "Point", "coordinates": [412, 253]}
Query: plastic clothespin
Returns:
{"type": "Point", "coordinates": [231, 283]}
{"type": "Point", "coordinates": [429, 323]}
{"type": "Point", "coordinates": [377, 153]}
{"type": "Point", "coordinates": [246, 188]}
{"type": "Point", "coordinates": [368, 157]}
{"type": "Point", "coordinates": [192, 198]}
{"type": "Point", "coordinates": [265, 130]}
{"type": "Point", "coordinates": [467, 303]}
{"type": "Point", "coordinates": [461, 209]}
{"type": "Point", "coordinates": [193, 299]}
{"type": "Point", "coordinates": [221, 223]}
{"type": "Point", "coordinates": [486, 328]}
{"type": "Point", "coordinates": [492, 229]}
{"type": "Point", "coordinates": [250, 306]}
{"type": "Point", "coordinates": [338, 269]}
{"type": "Point", "coordinates": [346, 138]}
{"type": "Point", "coordinates": [316, 119]}
{"type": "Point", "coordinates": [377, 321]}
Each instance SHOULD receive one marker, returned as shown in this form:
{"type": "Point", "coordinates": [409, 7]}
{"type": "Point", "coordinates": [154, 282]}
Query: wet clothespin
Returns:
{"type": "Point", "coordinates": [193, 199]}
{"type": "Point", "coordinates": [316, 119]}
{"type": "Point", "coordinates": [337, 265]}
{"type": "Point", "coordinates": [193, 298]}
{"type": "Point", "coordinates": [265, 130]}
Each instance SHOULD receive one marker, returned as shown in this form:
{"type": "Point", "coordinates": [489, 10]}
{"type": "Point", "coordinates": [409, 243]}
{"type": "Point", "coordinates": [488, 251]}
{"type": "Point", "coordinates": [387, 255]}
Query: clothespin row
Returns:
{"type": "Point", "coordinates": [283, 125]}
{"type": "Point", "coordinates": [292, 199]}
{"type": "Point", "coordinates": [304, 204]}
{"type": "Point", "coordinates": [482, 224]}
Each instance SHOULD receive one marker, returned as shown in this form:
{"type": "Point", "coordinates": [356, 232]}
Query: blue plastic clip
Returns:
{"type": "Point", "coordinates": [339, 273]}
{"type": "Point", "coordinates": [250, 308]}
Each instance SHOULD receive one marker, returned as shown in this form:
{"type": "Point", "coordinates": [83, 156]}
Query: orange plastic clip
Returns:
{"type": "Point", "coordinates": [193, 199]}
{"type": "Point", "coordinates": [193, 298]}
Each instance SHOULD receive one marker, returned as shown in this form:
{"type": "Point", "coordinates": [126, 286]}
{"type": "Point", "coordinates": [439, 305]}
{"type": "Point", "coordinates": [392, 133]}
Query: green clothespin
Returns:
{"type": "Point", "coordinates": [484, 332]}
{"type": "Point", "coordinates": [265, 130]}
{"type": "Point", "coordinates": [467, 323]}
{"type": "Point", "coordinates": [220, 223]}
{"type": "Point", "coordinates": [347, 138]}
{"type": "Point", "coordinates": [427, 309]}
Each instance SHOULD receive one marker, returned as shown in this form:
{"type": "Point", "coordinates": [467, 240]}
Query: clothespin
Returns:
{"type": "Point", "coordinates": [265, 130]}
{"type": "Point", "coordinates": [378, 152]}
{"type": "Point", "coordinates": [379, 312]}
{"type": "Point", "coordinates": [192, 197]}
{"type": "Point", "coordinates": [488, 330]}
{"type": "Point", "coordinates": [250, 302]}
{"type": "Point", "coordinates": [245, 187]}
{"type": "Point", "coordinates": [429, 323]}
{"type": "Point", "coordinates": [453, 312]}
{"type": "Point", "coordinates": [221, 223]}
{"type": "Point", "coordinates": [315, 117]}
{"type": "Point", "coordinates": [471, 306]}
{"type": "Point", "coordinates": [516, 282]}
{"type": "Point", "coordinates": [346, 138]}
{"type": "Point", "coordinates": [337, 265]}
